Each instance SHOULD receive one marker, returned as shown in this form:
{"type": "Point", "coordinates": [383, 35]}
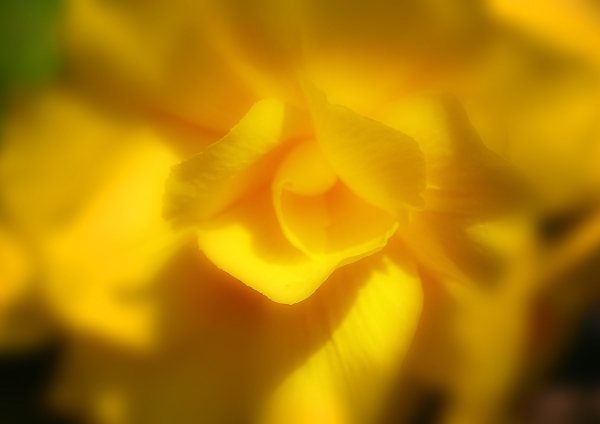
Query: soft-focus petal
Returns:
{"type": "Point", "coordinates": [85, 187]}
{"type": "Point", "coordinates": [364, 54]}
{"type": "Point", "coordinates": [237, 164]}
{"type": "Point", "coordinates": [467, 184]}
{"type": "Point", "coordinates": [15, 269]}
{"type": "Point", "coordinates": [345, 380]}
{"type": "Point", "coordinates": [161, 55]}
{"type": "Point", "coordinates": [99, 267]}
{"type": "Point", "coordinates": [230, 355]}
{"type": "Point", "coordinates": [471, 338]}
{"type": "Point", "coordinates": [381, 165]}
{"type": "Point", "coordinates": [23, 324]}
{"type": "Point", "coordinates": [539, 107]}
{"type": "Point", "coordinates": [463, 175]}
{"type": "Point", "coordinates": [571, 25]}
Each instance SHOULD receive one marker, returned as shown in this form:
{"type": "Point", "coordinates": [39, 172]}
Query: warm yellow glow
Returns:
{"type": "Point", "coordinates": [300, 211]}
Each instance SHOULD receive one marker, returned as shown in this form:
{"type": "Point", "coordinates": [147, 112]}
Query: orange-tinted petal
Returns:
{"type": "Point", "coordinates": [232, 167]}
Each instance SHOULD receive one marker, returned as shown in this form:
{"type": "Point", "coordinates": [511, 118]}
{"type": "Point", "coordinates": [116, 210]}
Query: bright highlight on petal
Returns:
{"type": "Point", "coordinates": [247, 242]}
{"type": "Point", "coordinates": [343, 381]}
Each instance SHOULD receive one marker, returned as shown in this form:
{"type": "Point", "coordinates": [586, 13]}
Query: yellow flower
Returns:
{"type": "Point", "coordinates": [266, 205]}
{"type": "Point", "coordinates": [280, 208]}
{"type": "Point", "coordinates": [340, 213]}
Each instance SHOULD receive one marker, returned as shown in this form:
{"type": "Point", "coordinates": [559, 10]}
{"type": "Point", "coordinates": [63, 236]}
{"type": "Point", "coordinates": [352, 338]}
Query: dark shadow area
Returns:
{"type": "Point", "coordinates": [24, 378]}
{"type": "Point", "coordinates": [572, 393]}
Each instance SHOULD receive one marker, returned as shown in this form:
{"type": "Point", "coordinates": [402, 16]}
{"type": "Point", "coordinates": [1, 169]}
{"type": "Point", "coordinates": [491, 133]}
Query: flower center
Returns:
{"type": "Point", "coordinates": [305, 171]}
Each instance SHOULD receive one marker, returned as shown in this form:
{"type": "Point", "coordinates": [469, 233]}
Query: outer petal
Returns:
{"type": "Point", "coordinates": [85, 188]}
{"type": "Point", "coordinates": [16, 269]}
{"type": "Point", "coordinates": [463, 175]}
{"type": "Point", "coordinates": [569, 25]}
{"type": "Point", "coordinates": [365, 53]}
{"type": "Point", "coordinates": [381, 165]}
{"type": "Point", "coordinates": [546, 105]}
{"type": "Point", "coordinates": [161, 55]}
{"type": "Point", "coordinates": [100, 267]}
{"type": "Point", "coordinates": [22, 324]}
{"type": "Point", "coordinates": [234, 166]}
{"type": "Point", "coordinates": [344, 381]}
{"type": "Point", "coordinates": [230, 355]}
{"type": "Point", "coordinates": [468, 185]}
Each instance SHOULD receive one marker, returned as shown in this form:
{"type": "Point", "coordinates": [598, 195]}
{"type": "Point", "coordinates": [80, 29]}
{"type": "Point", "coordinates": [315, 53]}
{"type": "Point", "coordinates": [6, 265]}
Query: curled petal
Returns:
{"type": "Point", "coordinates": [211, 180]}
{"type": "Point", "coordinates": [381, 165]}
{"type": "Point", "coordinates": [247, 242]}
{"type": "Point", "coordinates": [320, 215]}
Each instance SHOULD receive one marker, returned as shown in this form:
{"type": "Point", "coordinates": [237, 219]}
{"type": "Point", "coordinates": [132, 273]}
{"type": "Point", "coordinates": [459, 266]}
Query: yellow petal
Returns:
{"type": "Point", "coordinates": [570, 25]}
{"type": "Point", "coordinates": [229, 354]}
{"type": "Point", "coordinates": [381, 165]}
{"type": "Point", "coordinates": [99, 268]}
{"type": "Point", "coordinates": [463, 175]}
{"type": "Point", "coordinates": [319, 215]}
{"type": "Point", "coordinates": [463, 250]}
{"type": "Point", "coordinates": [364, 53]}
{"type": "Point", "coordinates": [85, 188]}
{"type": "Point", "coordinates": [544, 105]}
{"type": "Point", "coordinates": [345, 380]}
{"type": "Point", "coordinates": [237, 164]}
{"type": "Point", "coordinates": [471, 335]}
{"type": "Point", "coordinates": [15, 269]}
{"type": "Point", "coordinates": [22, 324]}
{"type": "Point", "coordinates": [305, 171]}
{"type": "Point", "coordinates": [225, 182]}
{"type": "Point", "coordinates": [47, 172]}
{"type": "Point", "coordinates": [247, 242]}
{"type": "Point", "coordinates": [162, 56]}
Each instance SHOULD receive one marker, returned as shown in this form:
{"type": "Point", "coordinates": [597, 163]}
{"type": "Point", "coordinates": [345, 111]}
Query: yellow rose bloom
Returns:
{"type": "Point", "coordinates": [272, 211]}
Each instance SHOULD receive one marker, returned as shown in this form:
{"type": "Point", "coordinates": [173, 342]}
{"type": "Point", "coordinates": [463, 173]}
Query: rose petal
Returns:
{"type": "Point", "coordinates": [463, 175]}
{"type": "Point", "coordinates": [85, 188]}
{"type": "Point", "coordinates": [247, 242]}
{"type": "Point", "coordinates": [381, 165]}
{"type": "Point", "coordinates": [234, 166]}
{"type": "Point", "coordinates": [346, 378]}
{"type": "Point", "coordinates": [229, 352]}
{"type": "Point", "coordinates": [319, 215]}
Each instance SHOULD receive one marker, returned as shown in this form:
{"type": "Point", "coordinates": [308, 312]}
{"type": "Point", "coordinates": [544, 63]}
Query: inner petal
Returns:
{"type": "Point", "coordinates": [305, 171]}
{"type": "Point", "coordinates": [320, 215]}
